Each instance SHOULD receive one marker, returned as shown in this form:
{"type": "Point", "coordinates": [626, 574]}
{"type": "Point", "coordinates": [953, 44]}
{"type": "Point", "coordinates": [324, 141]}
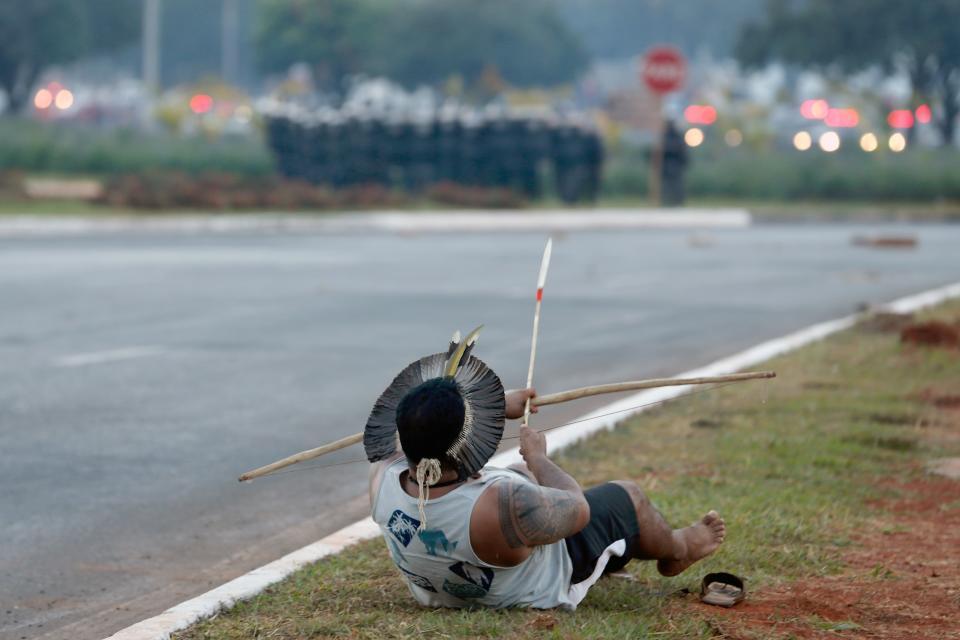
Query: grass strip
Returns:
{"type": "Point", "coordinates": [791, 465]}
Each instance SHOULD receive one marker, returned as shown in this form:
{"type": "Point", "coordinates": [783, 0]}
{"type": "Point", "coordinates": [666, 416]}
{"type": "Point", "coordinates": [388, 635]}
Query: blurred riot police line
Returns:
{"type": "Point", "coordinates": [412, 151]}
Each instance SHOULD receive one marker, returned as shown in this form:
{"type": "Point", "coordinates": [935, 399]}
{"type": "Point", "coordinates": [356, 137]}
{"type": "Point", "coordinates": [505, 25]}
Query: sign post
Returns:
{"type": "Point", "coordinates": [663, 71]}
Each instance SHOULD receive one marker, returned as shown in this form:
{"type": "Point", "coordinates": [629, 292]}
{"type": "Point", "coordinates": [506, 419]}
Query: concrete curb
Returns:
{"type": "Point", "coordinates": [246, 586]}
{"type": "Point", "coordinates": [477, 221]}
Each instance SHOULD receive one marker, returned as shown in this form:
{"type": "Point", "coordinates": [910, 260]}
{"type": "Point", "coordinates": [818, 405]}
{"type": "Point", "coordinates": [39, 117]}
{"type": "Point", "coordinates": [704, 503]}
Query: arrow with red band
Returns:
{"type": "Point", "coordinates": [541, 281]}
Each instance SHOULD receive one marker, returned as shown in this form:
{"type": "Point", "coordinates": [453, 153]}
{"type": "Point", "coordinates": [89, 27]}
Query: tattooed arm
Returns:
{"type": "Point", "coordinates": [531, 516]}
{"type": "Point", "coordinates": [512, 517]}
{"type": "Point", "coordinates": [533, 448]}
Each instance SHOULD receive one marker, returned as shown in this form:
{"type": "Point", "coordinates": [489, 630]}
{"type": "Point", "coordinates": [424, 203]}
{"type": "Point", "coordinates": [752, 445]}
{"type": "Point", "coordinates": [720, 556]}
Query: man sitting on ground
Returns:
{"type": "Point", "coordinates": [463, 534]}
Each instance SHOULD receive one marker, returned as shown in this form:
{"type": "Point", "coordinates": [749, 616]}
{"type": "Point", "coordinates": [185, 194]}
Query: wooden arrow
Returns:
{"type": "Point", "coordinates": [541, 281]}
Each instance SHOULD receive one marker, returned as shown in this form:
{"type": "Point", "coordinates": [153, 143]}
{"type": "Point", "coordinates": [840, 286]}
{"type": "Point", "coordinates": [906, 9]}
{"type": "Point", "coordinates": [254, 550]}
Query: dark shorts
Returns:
{"type": "Point", "coordinates": [612, 518]}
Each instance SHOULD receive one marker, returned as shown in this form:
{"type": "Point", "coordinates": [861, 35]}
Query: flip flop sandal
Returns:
{"type": "Point", "coordinates": [722, 589]}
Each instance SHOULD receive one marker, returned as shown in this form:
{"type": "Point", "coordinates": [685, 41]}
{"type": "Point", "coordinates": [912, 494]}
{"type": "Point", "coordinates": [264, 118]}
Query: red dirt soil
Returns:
{"type": "Point", "coordinates": [931, 334]}
{"type": "Point", "coordinates": [885, 242]}
{"type": "Point", "coordinates": [938, 399]}
{"type": "Point", "coordinates": [902, 580]}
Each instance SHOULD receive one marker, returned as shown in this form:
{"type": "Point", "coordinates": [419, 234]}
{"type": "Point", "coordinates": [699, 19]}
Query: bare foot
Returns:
{"type": "Point", "coordinates": [694, 543]}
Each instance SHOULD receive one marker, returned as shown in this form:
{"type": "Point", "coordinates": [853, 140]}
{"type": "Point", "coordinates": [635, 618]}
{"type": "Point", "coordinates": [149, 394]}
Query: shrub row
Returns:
{"type": "Point", "coordinates": [35, 147]}
{"type": "Point", "coordinates": [714, 171]}
{"type": "Point", "coordinates": [913, 176]}
{"type": "Point", "coordinates": [12, 186]}
{"type": "Point", "coordinates": [456, 195]}
{"type": "Point", "coordinates": [219, 191]}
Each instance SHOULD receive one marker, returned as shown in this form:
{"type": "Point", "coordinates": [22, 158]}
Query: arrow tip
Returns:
{"type": "Point", "coordinates": [545, 264]}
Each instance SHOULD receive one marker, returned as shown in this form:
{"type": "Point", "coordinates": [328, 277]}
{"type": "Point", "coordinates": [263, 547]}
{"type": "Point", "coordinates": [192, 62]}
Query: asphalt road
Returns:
{"type": "Point", "coordinates": [141, 373]}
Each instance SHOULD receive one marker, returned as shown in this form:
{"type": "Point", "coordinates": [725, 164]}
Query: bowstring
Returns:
{"type": "Point", "coordinates": [315, 467]}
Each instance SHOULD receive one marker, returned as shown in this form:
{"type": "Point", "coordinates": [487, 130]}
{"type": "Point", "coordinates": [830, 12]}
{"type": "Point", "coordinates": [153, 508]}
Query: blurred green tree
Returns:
{"type": "Point", "coordinates": [625, 28]}
{"type": "Point", "coordinates": [338, 38]}
{"type": "Point", "coordinates": [528, 43]}
{"type": "Point", "coordinates": [851, 35]}
{"type": "Point", "coordinates": [40, 33]}
{"type": "Point", "coordinates": [419, 42]}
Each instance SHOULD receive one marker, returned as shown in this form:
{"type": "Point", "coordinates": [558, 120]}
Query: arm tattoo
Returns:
{"type": "Point", "coordinates": [532, 515]}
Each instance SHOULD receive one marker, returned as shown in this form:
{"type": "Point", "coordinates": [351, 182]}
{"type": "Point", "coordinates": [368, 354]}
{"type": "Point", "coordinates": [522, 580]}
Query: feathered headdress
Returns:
{"type": "Point", "coordinates": [483, 400]}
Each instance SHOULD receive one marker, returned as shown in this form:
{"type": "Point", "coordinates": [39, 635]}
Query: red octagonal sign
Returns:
{"type": "Point", "coordinates": [664, 69]}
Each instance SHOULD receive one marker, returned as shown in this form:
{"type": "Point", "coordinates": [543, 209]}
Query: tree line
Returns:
{"type": "Point", "coordinates": [846, 36]}
{"type": "Point", "coordinates": [37, 34]}
{"type": "Point", "coordinates": [520, 43]}
{"type": "Point", "coordinates": [526, 44]}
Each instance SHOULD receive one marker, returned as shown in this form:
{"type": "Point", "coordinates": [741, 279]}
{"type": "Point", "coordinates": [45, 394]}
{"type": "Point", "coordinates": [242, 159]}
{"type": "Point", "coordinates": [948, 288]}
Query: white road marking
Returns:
{"type": "Point", "coordinates": [112, 355]}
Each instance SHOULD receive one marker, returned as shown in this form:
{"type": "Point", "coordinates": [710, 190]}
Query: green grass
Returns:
{"type": "Point", "coordinates": [789, 463]}
{"type": "Point", "coordinates": [57, 208]}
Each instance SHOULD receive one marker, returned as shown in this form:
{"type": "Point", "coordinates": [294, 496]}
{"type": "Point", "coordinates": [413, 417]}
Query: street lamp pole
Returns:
{"type": "Point", "coordinates": [228, 41]}
{"type": "Point", "coordinates": [151, 45]}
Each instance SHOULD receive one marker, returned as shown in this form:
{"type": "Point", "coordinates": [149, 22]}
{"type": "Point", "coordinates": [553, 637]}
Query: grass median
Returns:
{"type": "Point", "coordinates": [802, 468]}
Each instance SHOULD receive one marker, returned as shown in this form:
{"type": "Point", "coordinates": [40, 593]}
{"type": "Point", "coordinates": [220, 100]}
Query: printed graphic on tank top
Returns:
{"type": "Point", "coordinates": [439, 564]}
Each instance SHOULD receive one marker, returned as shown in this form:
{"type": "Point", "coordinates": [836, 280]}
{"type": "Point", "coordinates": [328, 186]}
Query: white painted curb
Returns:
{"type": "Point", "coordinates": [246, 586]}
{"type": "Point", "coordinates": [460, 221]}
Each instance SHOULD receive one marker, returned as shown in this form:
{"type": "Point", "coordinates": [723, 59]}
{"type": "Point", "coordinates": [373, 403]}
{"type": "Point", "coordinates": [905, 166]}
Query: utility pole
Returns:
{"type": "Point", "coordinates": [228, 42]}
{"type": "Point", "coordinates": [151, 45]}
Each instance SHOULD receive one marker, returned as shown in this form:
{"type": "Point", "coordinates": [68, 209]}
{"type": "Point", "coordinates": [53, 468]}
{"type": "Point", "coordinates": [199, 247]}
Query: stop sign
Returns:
{"type": "Point", "coordinates": [664, 69]}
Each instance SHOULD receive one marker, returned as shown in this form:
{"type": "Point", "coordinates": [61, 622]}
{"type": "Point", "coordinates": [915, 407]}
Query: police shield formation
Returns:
{"type": "Point", "coordinates": [413, 151]}
{"type": "Point", "coordinates": [463, 534]}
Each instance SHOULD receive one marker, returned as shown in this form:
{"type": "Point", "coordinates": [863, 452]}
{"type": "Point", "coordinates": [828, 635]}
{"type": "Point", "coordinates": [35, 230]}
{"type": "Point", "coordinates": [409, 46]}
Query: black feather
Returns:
{"type": "Point", "coordinates": [380, 434]}
{"type": "Point", "coordinates": [466, 354]}
{"type": "Point", "coordinates": [453, 347]}
{"type": "Point", "coordinates": [482, 391]}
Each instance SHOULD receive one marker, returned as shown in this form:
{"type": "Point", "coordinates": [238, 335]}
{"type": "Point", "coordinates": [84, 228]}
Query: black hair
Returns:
{"type": "Point", "coordinates": [429, 420]}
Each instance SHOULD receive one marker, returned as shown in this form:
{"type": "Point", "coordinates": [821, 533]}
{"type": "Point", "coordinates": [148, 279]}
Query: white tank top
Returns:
{"type": "Point", "coordinates": [439, 564]}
